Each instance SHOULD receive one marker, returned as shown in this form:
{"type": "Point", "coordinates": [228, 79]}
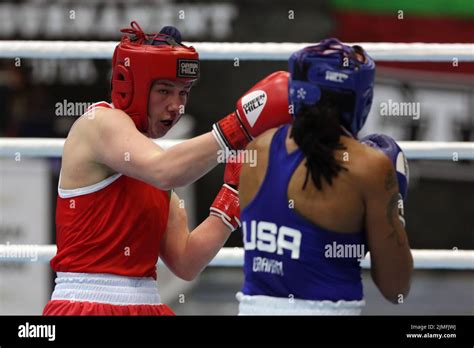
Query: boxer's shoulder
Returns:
{"type": "Point", "coordinates": [252, 174]}
{"type": "Point", "coordinates": [79, 167]}
{"type": "Point", "coordinates": [263, 141]}
{"type": "Point", "coordinates": [261, 148]}
{"type": "Point", "coordinates": [94, 119]}
{"type": "Point", "coordinates": [367, 165]}
{"type": "Point", "coordinates": [378, 169]}
{"type": "Point", "coordinates": [103, 119]}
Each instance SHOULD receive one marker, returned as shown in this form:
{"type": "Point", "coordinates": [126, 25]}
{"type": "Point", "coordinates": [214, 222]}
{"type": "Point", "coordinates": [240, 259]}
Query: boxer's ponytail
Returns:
{"type": "Point", "coordinates": [317, 130]}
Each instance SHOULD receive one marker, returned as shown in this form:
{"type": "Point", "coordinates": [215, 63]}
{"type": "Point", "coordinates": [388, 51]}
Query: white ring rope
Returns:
{"type": "Point", "coordinates": [234, 257]}
{"type": "Point", "coordinates": [53, 147]}
{"type": "Point", "coordinates": [380, 51]}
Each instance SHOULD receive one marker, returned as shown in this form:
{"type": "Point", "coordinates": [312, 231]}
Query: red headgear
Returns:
{"type": "Point", "coordinates": [140, 60]}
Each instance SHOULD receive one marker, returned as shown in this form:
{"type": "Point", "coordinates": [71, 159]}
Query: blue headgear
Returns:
{"type": "Point", "coordinates": [333, 67]}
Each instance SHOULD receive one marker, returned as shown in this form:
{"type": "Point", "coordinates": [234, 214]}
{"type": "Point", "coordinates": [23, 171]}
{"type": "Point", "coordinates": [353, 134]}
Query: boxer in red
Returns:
{"type": "Point", "coordinates": [116, 211]}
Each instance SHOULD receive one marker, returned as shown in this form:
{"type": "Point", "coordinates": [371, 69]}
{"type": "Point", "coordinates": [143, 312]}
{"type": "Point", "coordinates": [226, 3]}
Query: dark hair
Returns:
{"type": "Point", "coordinates": [316, 130]}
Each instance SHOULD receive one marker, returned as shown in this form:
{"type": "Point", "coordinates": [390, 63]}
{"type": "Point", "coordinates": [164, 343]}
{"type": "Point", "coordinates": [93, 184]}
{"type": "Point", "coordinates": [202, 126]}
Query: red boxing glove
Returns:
{"type": "Point", "coordinates": [232, 170]}
{"type": "Point", "coordinates": [226, 204]}
{"type": "Point", "coordinates": [263, 107]}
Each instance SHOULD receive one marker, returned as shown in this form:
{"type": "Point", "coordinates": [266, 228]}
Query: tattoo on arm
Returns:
{"type": "Point", "coordinates": [392, 211]}
{"type": "Point", "coordinates": [390, 180]}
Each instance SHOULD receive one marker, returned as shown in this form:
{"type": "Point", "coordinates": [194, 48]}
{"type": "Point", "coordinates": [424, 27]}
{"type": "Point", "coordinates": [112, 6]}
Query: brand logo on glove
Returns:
{"type": "Point", "coordinates": [253, 104]}
{"type": "Point", "coordinates": [187, 68]}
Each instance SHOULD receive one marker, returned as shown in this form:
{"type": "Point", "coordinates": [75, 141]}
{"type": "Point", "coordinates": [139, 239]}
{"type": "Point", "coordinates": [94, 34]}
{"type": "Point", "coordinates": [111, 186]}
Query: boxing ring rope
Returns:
{"type": "Point", "coordinates": [380, 51]}
{"type": "Point", "coordinates": [414, 150]}
{"type": "Point", "coordinates": [234, 257]}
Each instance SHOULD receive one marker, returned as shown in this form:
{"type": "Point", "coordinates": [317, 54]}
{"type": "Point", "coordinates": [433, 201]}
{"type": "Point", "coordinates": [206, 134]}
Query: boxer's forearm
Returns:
{"type": "Point", "coordinates": [186, 162]}
{"type": "Point", "coordinates": [203, 244]}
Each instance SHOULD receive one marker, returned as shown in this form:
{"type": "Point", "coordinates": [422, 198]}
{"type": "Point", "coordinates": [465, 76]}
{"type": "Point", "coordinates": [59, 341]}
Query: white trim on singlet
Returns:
{"type": "Point", "coordinates": [101, 102]}
{"type": "Point", "coordinates": [80, 191]}
{"type": "Point", "coordinates": [105, 288]}
{"type": "Point", "coordinates": [91, 107]}
{"type": "Point", "coordinates": [267, 305]}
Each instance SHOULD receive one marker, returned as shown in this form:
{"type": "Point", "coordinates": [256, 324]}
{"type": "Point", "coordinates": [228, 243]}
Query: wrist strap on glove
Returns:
{"type": "Point", "coordinates": [226, 206]}
{"type": "Point", "coordinates": [230, 133]}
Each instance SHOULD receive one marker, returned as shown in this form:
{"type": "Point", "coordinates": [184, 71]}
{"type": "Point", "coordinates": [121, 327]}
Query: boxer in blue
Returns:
{"type": "Point", "coordinates": [319, 199]}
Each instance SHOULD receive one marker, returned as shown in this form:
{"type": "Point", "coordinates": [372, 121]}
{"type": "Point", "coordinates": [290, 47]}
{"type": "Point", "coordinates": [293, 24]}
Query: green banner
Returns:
{"type": "Point", "coordinates": [429, 8]}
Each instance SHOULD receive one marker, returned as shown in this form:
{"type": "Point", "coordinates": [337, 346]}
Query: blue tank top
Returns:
{"type": "Point", "coordinates": [285, 254]}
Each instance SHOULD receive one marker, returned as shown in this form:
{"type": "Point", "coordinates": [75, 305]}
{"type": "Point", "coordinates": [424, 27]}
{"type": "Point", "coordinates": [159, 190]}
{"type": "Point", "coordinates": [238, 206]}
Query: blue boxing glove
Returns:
{"type": "Point", "coordinates": [390, 148]}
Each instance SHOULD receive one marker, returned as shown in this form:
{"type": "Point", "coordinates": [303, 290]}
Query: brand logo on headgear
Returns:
{"type": "Point", "coordinates": [188, 68]}
{"type": "Point", "coordinates": [336, 76]}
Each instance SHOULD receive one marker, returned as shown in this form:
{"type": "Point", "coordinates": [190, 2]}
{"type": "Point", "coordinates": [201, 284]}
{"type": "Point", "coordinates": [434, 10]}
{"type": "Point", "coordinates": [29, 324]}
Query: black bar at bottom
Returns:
{"type": "Point", "coordinates": [416, 330]}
